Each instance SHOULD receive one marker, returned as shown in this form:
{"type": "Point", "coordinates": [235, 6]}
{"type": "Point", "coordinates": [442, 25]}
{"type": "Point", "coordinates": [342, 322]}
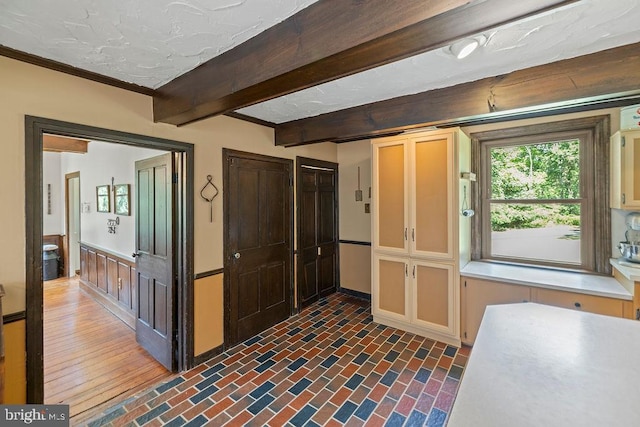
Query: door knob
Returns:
{"type": "Point", "coordinates": [236, 255]}
{"type": "Point", "coordinates": [135, 254]}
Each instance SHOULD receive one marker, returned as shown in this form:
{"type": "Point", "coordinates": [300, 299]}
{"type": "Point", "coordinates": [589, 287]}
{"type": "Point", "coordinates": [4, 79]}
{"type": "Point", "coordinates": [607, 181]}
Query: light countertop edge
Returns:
{"type": "Point", "coordinates": [631, 273]}
{"type": "Point", "coordinates": [567, 281]}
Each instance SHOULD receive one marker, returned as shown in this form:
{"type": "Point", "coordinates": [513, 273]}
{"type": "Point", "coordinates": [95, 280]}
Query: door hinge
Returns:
{"type": "Point", "coordinates": [624, 141]}
{"type": "Point", "coordinates": [290, 181]}
{"type": "Point", "coordinates": [624, 199]}
{"type": "Point", "coordinates": [175, 178]}
{"type": "Point", "coordinates": [465, 283]}
{"type": "Point", "coordinates": [465, 334]}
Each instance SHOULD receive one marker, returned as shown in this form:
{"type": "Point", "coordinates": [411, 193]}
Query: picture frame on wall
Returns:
{"type": "Point", "coordinates": [103, 200]}
{"type": "Point", "coordinates": [122, 200]}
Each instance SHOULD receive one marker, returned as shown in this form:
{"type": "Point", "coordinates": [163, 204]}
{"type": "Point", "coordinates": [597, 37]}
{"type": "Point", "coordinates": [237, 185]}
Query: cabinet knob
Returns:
{"type": "Point", "coordinates": [578, 305]}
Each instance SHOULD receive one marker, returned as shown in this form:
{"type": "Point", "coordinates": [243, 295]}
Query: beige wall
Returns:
{"type": "Point", "coordinates": [208, 309]}
{"type": "Point", "coordinates": [14, 368]}
{"type": "Point", "coordinates": [35, 91]}
{"type": "Point", "coordinates": [355, 224]}
{"type": "Point", "coordinates": [355, 267]}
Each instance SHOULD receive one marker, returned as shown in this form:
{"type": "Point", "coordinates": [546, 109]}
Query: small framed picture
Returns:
{"type": "Point", "coordinates": [103, 202]}
{"type": "Point", "coordinates": [122, 199]}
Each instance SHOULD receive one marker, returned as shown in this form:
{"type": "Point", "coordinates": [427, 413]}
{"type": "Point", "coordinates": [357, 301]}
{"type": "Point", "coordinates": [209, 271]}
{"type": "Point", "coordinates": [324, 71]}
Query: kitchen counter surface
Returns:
{"type": "Point", "coordinates": [536, 365]}
{"type": "Point", "coordinates": [628, 269]}
{"type": "Point", "coordinates": [590, 284]}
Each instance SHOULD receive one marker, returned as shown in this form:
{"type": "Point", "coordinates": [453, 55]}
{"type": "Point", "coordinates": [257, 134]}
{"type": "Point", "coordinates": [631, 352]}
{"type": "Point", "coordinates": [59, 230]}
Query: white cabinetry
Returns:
{"type": "Point", "coordinates": [418, 246]}
{"type": "Point", "coordinates": [625, 170]}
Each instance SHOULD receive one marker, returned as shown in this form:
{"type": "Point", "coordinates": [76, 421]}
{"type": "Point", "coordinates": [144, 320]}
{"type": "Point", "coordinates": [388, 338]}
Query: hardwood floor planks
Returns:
{"type": "Point", "coordinates": [90, 356]}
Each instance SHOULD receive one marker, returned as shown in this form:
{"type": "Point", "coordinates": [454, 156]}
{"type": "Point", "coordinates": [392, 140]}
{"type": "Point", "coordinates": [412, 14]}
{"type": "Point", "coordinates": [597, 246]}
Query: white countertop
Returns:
{"type": "Point", "coordinates": [537, 365]}
{"type": "Point", "coordinates": [628, 269]}
{"type": "Point", "coordinates": [545, 278]}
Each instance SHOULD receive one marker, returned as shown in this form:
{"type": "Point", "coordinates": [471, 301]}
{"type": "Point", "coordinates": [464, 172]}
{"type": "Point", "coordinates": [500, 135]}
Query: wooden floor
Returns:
{"type": "Point", "coordinates": [90, 356]}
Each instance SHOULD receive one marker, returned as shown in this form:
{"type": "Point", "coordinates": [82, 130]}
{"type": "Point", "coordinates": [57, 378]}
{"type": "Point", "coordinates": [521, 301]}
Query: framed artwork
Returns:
{"type": "Point", "coordinates": [103, 202]}
{"type": "Point", "coordinates": [122, 199]}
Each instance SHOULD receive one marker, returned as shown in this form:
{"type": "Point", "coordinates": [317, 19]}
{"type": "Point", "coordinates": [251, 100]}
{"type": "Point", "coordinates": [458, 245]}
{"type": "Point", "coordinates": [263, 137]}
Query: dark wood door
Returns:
{"type": "Point", "coordinates": [155, 323]}
{"type": "Point", "coordinates": [317, 229]}
{"type": "Point", "coordinates": [258, 251]}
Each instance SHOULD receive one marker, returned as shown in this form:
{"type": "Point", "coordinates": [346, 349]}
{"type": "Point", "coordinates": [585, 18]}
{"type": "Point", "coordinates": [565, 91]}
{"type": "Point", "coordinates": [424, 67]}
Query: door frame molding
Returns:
{"type": "Point", "coordinates": [315, 163]}
{"type": "Point", "coordinates": [35, 127]}
{"type": "Point", "coordinates": [228, 153]}
{"type": "Point", "coordinates": [67, 177]}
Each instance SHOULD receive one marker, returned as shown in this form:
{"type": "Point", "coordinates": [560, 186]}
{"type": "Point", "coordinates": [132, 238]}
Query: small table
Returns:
{"type": "Point", "coordinates": [537, 365]}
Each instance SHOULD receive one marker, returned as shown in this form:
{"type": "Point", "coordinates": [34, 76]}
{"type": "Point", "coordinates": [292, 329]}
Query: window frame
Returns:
{"type": "Point", "coordinates": [594, 133]}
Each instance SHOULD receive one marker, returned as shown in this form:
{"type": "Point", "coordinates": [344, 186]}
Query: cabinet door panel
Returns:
{"type": "Point", "coordinates": [575, 301]}
{"type": "Point", "coordinates": [101, 272]}
{"type": "Point", "coordinates": [112, 276]}
{"type": "Point", "coordinates": [431, 231]}
{"type": "Point", "coordinates": [391, 201]}
{"type": "Point", "coordinates": [631, 169]}
{"type": "Point", "coordinates": [477, 294]}
{"type": "Point", "coordinates": [391, 284]}
{"type": "Point", "coordinates": [433, 296]}
{"type": "Point", "coordinates": [84, 263]}
{"type": "Point", "coordinates": [124, 285]}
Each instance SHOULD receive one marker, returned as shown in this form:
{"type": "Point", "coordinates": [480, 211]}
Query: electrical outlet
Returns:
{"type": "Point", "coordinates": [367, 208]}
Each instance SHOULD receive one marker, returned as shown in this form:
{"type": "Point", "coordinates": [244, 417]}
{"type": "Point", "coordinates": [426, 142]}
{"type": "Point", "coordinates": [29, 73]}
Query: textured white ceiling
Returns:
{"type": "Point", "coordinates": [146, 42]}
{"type": "Point", "coordinates": [150, 42]}
{"type": "Point", "coordinates": [585, 27]}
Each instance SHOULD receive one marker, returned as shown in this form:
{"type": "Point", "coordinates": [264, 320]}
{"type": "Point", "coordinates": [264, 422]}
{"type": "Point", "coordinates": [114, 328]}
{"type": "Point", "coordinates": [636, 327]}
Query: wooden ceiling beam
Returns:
{"type": "Point", "coordinates": [62, 144]}
{"type": "Point", "coordinates": [599, 80]}
{"type": "Point", "coordinates": [325, 41]}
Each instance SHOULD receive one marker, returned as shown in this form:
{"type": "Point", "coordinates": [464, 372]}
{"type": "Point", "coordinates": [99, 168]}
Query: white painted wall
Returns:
{"type": "Point", "coordinates": [52, 223]}
{"type": "Point", "coordinates": [102, 162]}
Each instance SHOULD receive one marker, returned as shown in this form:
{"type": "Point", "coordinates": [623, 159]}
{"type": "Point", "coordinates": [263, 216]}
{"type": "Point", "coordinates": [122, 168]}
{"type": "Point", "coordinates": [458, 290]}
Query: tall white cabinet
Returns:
{"type": "Point", "coordinates": [420, 239]}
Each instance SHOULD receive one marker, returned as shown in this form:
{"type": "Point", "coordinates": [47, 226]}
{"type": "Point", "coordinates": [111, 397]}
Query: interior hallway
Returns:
{"type": "Point", "coordinates": [90, 356]}
{"type": "Point", "coordinates": [330, 365]}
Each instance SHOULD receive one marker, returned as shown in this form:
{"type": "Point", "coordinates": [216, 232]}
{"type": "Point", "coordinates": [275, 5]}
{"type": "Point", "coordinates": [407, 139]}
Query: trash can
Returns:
{"type": "Point", "coordinates": [49, 262]}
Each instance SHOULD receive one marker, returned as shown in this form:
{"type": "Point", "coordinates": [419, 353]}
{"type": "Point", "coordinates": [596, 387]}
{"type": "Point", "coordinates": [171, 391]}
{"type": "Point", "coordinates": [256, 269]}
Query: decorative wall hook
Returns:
{"type": "Point", "coordinates": [209, 200]}
{"type": "Point", "coordinates": [112, 225]}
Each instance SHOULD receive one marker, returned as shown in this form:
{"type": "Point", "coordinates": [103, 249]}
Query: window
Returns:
{"type": "Point", "coordinates": [537, 199]}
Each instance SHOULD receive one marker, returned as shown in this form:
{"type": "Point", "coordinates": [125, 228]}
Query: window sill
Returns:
{"type": "Point", "coordinates": [567, 281]}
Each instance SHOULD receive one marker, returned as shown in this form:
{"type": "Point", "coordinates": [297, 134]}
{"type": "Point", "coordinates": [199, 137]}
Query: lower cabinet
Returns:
{"type": "Point", "coordinates": [110, 279]}
{"type": "Point", "coordinates": [477, 294]}
{"type": "Point", "coordinates": [417, 296]}
{"type": "Point", "coordinates": [590, 303]}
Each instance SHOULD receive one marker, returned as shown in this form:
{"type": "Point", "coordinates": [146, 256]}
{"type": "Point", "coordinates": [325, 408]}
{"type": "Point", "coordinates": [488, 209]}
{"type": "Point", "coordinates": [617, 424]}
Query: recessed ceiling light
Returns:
{"type": "Point", "coordinates": [463, 48]}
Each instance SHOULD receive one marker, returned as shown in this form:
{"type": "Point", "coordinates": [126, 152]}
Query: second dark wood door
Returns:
{"type": "Point", "coordinates": [258, 254]}
{"type": "Point", "coordinates": [318, 229]}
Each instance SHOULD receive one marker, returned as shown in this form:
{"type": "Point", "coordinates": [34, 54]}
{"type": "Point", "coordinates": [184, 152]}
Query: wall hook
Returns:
{"type": "Point", "coordinates": [209, 199]}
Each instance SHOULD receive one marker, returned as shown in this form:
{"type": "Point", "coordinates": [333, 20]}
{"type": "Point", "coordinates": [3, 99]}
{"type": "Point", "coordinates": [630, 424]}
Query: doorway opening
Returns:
{"type": "Point", "coordinates": [178, 205]}
{"type": "Point", "coordinates": [71, 252]}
